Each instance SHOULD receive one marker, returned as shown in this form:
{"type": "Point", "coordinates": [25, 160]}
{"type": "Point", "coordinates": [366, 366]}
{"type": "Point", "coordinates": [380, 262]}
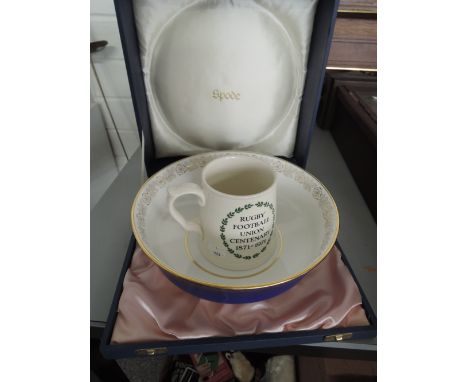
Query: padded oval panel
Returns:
{"type": "Point", "coordinates": [223, 76]}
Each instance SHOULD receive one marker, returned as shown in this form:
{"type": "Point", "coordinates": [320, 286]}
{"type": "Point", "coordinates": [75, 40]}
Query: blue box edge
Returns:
{"type": "Point", "coordinates": [209, 344]}
{"type": "Point", "coordinates": [318, 55]}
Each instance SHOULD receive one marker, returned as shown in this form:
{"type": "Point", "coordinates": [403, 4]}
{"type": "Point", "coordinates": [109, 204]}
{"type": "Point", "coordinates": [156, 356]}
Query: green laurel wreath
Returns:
{"type": "Point", "coordinates": [230, 215]}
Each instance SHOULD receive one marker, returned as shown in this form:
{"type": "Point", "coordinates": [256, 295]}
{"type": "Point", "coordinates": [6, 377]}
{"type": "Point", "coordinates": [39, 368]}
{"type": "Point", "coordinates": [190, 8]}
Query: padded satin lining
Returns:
{"type": "Point", "coordinates": [224, 75]}
{"type": "Point", "coordinates": [151, 308]}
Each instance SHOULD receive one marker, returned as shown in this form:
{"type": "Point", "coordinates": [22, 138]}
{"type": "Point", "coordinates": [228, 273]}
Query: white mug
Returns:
{"type": "Point", "coordinates": [237, 201]}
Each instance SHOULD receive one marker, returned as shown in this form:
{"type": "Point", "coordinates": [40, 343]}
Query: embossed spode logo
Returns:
{"type": "Point", "coordinates": [254, 231]}
{"type": "Point", "coordinates": [225, 95]}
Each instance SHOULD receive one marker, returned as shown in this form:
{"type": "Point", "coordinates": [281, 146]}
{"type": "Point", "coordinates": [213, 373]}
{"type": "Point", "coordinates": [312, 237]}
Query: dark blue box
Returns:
{"type": "Point", "coordinates": [318, 54]}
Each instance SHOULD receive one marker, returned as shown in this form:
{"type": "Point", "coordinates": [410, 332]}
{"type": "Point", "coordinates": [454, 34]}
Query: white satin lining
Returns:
{"type": "Point", "coordinates": [181, 75]}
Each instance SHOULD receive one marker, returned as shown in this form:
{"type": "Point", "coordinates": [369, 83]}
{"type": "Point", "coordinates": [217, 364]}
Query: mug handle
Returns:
{"type": "Point", "coordinates": [186, 189]}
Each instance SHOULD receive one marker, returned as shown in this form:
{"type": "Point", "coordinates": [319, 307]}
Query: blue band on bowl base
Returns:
{"type": "Point", "coordinates": [231, 296]}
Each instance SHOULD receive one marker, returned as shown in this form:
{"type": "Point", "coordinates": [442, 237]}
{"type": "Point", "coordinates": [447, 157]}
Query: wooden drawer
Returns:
{"type": "Point", "coordinates": [358, 6]}
{"type": "Point", "coordinates": [354, 44]}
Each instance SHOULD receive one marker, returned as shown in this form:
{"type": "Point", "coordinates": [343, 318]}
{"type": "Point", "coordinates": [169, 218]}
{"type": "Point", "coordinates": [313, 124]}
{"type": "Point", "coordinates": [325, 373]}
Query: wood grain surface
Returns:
{"type": "Point", "coordinates": [354, 43]}
{"type": "Point", "coordinates": [364, 6]}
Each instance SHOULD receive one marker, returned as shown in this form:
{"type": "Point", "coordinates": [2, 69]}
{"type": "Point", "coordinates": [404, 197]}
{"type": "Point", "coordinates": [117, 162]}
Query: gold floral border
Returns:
{"type": "Point", "coordinates": [308, 182]}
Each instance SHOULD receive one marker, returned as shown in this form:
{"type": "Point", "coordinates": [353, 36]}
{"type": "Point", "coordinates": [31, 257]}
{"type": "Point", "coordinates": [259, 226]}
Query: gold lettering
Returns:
{"type": "Point", "coordinates": [225, 95]}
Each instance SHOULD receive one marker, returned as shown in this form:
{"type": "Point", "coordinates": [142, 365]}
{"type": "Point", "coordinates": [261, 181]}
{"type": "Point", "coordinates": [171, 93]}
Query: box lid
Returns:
{"type": "Point", "coordinates": [208, 75]}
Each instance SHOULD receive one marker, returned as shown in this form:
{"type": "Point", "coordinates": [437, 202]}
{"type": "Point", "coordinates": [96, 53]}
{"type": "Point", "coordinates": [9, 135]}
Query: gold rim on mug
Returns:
{"type": "Point", "coordinates": [152, 257]}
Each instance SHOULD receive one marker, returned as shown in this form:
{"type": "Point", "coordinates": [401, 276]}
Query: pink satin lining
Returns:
{"type": "Point", "coordinates": [151, 308]}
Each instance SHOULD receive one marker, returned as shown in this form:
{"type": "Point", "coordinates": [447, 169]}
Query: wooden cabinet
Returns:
{"type": "Point", "coordinates": [358, 6]}
{"type": "Point", "coordinates": [335, 79]}
{"type": "Point", "coordinates": [354, 129]}
{"type": "Point", "coordinates": [354, 44]}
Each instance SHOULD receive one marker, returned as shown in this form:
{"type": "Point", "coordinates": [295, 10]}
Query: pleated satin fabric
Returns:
{"type": "Point", "coordinates": [151, 308]}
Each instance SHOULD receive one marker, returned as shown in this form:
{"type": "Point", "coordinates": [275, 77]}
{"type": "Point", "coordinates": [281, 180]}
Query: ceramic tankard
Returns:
{"type": "Point", "coordinates": [237, 199]}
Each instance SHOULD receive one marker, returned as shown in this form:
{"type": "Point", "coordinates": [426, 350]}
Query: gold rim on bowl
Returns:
{"type": "Point", "coordinates": [168, 269]}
